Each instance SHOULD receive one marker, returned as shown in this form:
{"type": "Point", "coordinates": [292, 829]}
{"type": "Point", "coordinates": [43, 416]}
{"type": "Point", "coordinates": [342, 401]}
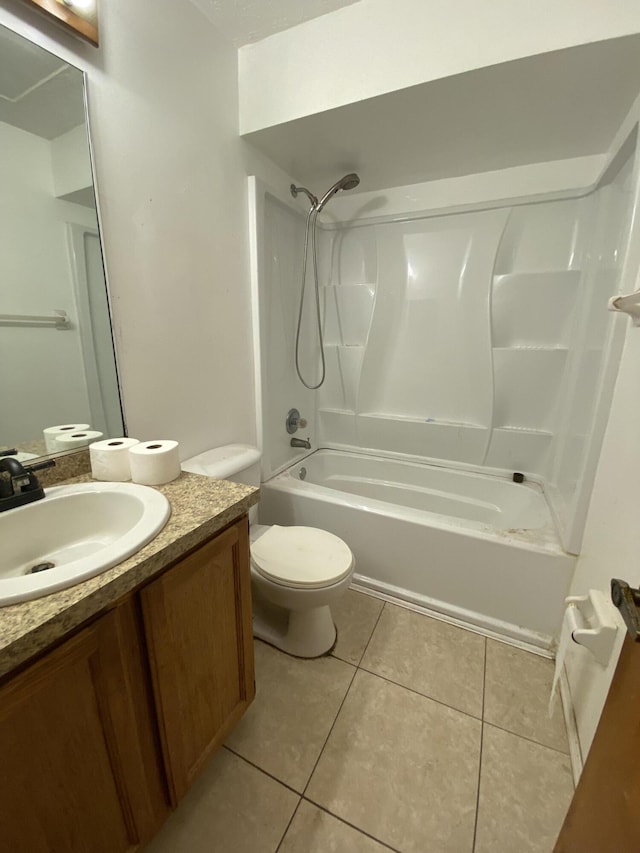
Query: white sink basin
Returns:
{"type": "Point", "coordinates": [82, 529]}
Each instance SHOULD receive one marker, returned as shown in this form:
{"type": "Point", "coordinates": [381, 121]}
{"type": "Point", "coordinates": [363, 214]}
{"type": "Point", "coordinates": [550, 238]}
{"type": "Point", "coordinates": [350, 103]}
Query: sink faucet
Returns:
{"type": "Point", "coordinates": [18, 484]}
{"type": "Point", "coordinates": [301, 442]}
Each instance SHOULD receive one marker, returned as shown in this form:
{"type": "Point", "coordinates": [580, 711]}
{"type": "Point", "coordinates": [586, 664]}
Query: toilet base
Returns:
{"type": "Point", "coordinates": [303, 633]}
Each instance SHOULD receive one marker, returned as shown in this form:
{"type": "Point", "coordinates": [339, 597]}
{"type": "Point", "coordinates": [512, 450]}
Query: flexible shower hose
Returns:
{"type": "Point", "coordinates": [313, 212]}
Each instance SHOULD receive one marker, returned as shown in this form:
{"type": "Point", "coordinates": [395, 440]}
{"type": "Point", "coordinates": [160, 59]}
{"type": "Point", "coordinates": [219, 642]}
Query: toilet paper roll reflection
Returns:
{"type": "Point", "coordinates": [52, 433]}
{"type": "Point", "coordinates": [80, 438]}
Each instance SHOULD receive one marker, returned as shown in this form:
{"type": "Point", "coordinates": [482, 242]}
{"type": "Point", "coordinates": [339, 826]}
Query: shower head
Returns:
{"type": "Point", "coordinates": [295, 190]}
{"type": "Point", "coordinates": [348, 182]}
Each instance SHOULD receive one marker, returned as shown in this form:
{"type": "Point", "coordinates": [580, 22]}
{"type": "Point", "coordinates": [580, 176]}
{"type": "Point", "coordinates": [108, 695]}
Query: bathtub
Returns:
{"type": "Point", "coordinates": [476, 548]}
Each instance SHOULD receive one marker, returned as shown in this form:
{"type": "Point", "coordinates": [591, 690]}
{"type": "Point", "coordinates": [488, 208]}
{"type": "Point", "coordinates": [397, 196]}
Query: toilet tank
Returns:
{"type": "Point", "coordinates": [239, 463]}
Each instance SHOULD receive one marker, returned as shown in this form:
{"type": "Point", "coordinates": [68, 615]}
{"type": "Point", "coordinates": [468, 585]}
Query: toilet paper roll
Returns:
{"type": "Point", "coordinates": [110, 459]}
{"type": "Point", "coordinates": [81, 438]}
{"type": "Point", "coordinates": [51, 434]}
{"type": "Point", "coordinates": [154, 462]}
{"type": "Point", "coordinates": [571, 621]}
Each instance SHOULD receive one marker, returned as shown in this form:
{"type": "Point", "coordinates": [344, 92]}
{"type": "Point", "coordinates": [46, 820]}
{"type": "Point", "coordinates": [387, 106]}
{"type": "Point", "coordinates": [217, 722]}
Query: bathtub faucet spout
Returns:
{"type": "Point", "coordinates": [301, 442]}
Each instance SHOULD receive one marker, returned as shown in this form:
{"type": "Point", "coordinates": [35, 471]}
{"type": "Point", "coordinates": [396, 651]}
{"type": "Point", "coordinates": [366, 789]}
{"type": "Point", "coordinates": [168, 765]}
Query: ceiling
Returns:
{"type": "Point", "coordinates": [244, 21]}
{"type": "Point", "coordinates": [38, 92]}
{"type": "Point", "coordinates": [553, 106]}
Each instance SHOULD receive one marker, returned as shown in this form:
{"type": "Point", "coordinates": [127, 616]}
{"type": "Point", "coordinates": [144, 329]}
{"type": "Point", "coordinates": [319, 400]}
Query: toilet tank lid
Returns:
{"type": "Point", "coordinates": [223, 462]}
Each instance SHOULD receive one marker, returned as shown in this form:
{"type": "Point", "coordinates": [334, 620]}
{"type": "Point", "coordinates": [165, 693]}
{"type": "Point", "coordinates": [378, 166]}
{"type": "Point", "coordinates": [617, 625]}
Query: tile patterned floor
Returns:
{"type": "Point", "coordinates": [414, 735]}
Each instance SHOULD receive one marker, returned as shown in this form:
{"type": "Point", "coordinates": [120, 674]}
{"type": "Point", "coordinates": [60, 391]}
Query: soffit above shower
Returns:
{"type": "Point", "coordinates": [245, 21]}
{"type": "Point", "coordinates": [554, 106]}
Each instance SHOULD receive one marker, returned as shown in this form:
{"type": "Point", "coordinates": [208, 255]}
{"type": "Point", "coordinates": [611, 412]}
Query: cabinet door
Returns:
{"type": "Point", "coordinates": [197, 619]}
{"type": "Point", "coordinates": [73, 772]}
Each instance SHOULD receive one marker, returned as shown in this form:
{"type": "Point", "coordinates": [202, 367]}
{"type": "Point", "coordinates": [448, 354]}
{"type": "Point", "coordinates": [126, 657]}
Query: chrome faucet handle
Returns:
{"type": "Point", "coordinates": [294, 421]}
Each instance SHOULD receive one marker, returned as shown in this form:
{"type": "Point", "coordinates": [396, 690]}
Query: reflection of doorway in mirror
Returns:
{"type": "Point", "coordinates": [81, 16]}
{"type": "Point", "coordinates": [95, 329]}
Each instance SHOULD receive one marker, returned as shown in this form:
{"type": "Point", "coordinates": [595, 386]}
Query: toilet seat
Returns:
{"type": "Point", "coordinates": [301, 557]}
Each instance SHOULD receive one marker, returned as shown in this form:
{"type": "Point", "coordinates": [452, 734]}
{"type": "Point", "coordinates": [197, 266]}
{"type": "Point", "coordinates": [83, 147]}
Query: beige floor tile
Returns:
{"type": "Point", "coordinates": [402, 768]}
{"type": "Point", "coordinates": [296, 703]}
{"type": "Point", "coordinates": [315, 831]}
{"type": "Point", "coordinates": [355, 615]}
{"type": "Point", "coordinates": [232, 806]}
{"type": "Point", "coordinates": [439, 660]}
{"type": "Point", "coordinates": [517, 690]}
{"type": "Point", "coordinates": [525, 790]}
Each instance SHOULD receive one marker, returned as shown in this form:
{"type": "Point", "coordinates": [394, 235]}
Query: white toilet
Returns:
{"type": "Point", "coordinates": [296, 572]}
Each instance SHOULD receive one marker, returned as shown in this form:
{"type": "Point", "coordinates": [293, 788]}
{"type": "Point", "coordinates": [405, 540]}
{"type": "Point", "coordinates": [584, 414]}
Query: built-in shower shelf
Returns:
{"type": "Point", "coordinates": [347, 313]}
{"type": "Point", "coordinates": [392, 416]}
{"type": "Point", "coordinates": [527, 382]}
{"type": "Point", "coordinates": [370, 285]}
{"type": "Point", "coordinates": [534, 309]}
{"type": "Point", "coordinates": [538, 276]}
{"type": "Point", "coordinates": [530, 348]}
{"type": "Point", "coordinates": [543, 433]}
{"type": "Point", "coordinates": [519, 448]}
{"type": "Point", "coordinates": [344, 363]}
{"type": "Point", "coordinates": [337, 426]}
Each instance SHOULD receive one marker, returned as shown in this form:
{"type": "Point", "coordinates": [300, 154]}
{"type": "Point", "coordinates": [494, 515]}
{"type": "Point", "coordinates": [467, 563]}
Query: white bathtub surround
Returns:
{"type": "Point", "coordinates": [477, 340]}
{"type": "Point", "coordinates": [476, 337]}
{"type": "Point", "coordinates": [476, 548]}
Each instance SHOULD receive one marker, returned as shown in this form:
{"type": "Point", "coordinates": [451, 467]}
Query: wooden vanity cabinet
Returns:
{"type": "Point", "coordinates": [79, 769]}
{"type": "Point", "coordinates": [101, 734]}
{"type": "Point", "coordinates": [197, 619]}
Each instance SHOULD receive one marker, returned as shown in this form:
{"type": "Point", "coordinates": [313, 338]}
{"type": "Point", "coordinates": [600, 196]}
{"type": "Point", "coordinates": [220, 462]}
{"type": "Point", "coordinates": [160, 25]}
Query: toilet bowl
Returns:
{"type": "Point", "coordinates": [296, 572]}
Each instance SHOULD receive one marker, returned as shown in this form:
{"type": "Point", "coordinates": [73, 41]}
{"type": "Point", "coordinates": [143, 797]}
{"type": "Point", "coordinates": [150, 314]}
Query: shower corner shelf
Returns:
{"type": "Point", "coordinates": [370, 285]}
{"type": "Point", "coordinates": [542, 433]}
{"type": "Point", "coordinates": [340, 414]}
{"type": "Point", "coordinates": [522, 275]}
{"type": "Point", "coordinates": [427, 422]}
{"type": "Point", "coordinates": [529, 348]}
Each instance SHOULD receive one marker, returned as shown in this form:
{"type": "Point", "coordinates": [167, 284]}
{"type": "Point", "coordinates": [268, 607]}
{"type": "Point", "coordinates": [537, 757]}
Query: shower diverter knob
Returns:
{"type": "Point", "coordinates": [294, 421]}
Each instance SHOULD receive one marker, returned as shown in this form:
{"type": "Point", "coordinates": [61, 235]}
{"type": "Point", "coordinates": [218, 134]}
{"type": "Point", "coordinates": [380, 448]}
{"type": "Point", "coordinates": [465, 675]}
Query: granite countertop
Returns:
{"type": "Point", "coordinates": [200, 507]}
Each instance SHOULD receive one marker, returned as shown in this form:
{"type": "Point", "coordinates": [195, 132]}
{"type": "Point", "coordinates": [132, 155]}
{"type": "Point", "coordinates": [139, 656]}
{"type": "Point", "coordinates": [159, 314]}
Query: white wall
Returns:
{"type": "Point", "coordinates": [163, 115]}
{"type": "Point", "coordinates": [42, 379]}
{"type": "Point", "coordinates": [375, 46]}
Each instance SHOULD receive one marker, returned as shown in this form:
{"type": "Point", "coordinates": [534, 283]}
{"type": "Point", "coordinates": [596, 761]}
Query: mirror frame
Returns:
{"type": "Point", "coordinates": [62, 11]}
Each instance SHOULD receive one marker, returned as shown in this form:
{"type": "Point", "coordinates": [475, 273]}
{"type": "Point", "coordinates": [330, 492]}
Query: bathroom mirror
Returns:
{"type": "Point", "coordinates": [57, 363]}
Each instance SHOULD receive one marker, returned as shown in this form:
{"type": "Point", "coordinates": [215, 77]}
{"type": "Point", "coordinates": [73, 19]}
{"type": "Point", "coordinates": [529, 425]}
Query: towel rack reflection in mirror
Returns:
{"type": "Point", "coordinates": [59, 320]}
